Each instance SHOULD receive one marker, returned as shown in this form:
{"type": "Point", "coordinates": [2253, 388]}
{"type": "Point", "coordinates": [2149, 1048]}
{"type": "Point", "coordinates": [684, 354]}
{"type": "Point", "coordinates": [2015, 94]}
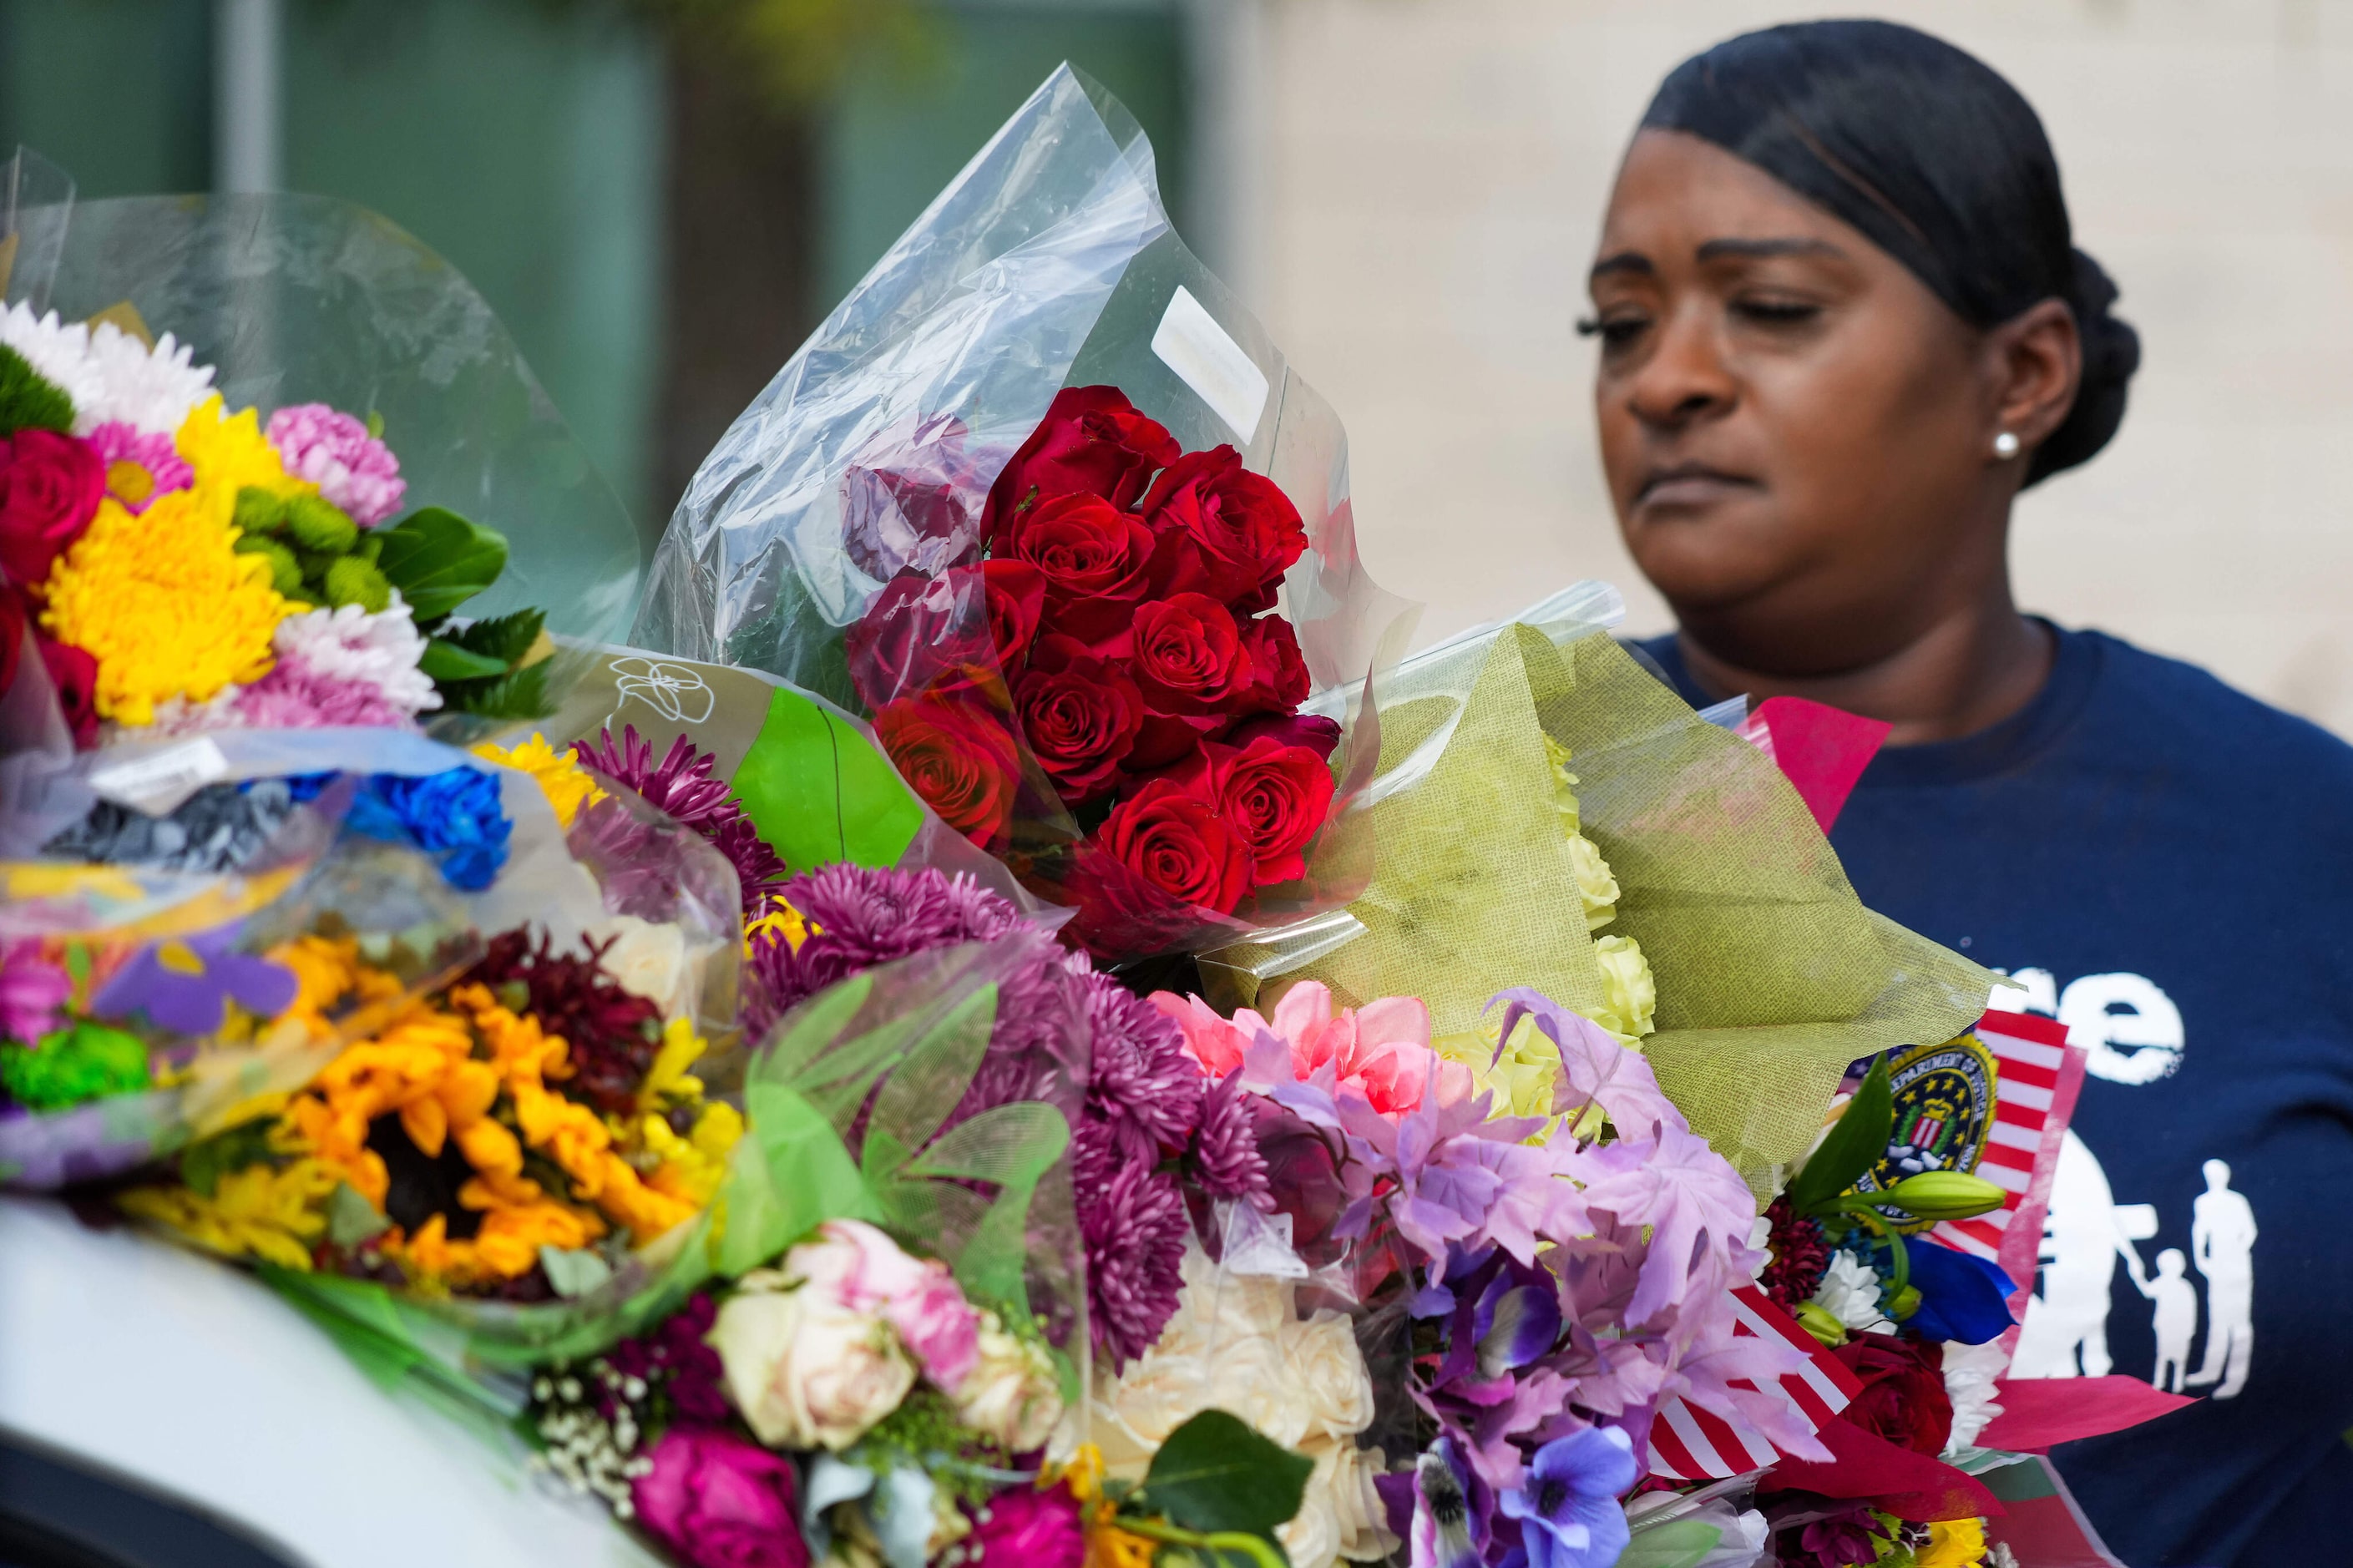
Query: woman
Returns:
{"type": "Point", "coordinates": [1842, 324]}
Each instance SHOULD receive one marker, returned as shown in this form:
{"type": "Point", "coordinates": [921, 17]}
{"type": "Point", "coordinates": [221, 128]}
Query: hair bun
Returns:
{"type": "Point", "coordinates": [2111, 355]}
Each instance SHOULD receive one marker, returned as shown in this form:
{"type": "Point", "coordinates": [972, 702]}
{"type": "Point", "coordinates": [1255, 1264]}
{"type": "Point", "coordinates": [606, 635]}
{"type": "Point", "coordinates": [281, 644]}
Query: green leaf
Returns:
{"type": "Point", "coordinates": [574, 1274]}
{"type": "Point", "coordinates": [818, 791]}
{"type": "Point", "coordinates": [350, 1218]}
{"type": "Point", "coordinates": [1856, 1143]}
{"type": "Point", "coordinates": [1217, 1473]}
{"type": "Point", "coordinates": [447, 661]}
{"type": "Point", "coordinates": [203, 1165]}
{"type": "Point", "coordinates": [520, 694]}
{"type": "Point", "coordinates": [503, 638]}
{"type": "Point", "coordinates": [1678, 1543]}
{"type": "Point", "coordinates": [439, 560]}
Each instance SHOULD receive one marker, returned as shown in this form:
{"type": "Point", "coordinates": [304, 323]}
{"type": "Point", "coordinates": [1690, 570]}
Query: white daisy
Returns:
{"type": "Point", "coordinates": [1969, 1374]}
{"type": "Point", "coordinates": [61, 352]}
{"type": "Point", "coordinates": [152, 390]}
{"type": "Point", "coordinates": [1849, 1292]}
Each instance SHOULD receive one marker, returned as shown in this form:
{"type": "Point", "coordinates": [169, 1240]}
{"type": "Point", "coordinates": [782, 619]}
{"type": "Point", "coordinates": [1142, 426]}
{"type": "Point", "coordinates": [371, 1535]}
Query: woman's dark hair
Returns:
{"type": "Point", "coordinates": [1930, 152]}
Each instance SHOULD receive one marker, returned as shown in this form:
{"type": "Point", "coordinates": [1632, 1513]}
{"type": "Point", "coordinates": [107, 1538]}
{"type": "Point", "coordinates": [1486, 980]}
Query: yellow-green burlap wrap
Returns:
{"type": "Point", "coordinates": [1771, 974]}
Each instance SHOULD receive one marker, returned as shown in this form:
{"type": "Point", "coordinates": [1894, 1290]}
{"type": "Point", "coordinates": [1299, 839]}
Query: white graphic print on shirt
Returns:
{"type": "Point", "coordinates": [2133, 1034]}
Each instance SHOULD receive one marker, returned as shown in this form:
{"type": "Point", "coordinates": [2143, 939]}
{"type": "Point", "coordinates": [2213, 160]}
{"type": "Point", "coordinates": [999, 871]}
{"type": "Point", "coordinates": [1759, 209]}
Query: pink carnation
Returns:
{"type": "Point", "coordinates": [335, 452]}
{"type": "Point", "coordinates": [292, 697]}
{"type": "Point", "coordinates": [1381, 1050]}
{"type": "Point", "coordinates": [139, 466]}
{"type": "Point", "coordinates": [32, 989]}
{"type": "Point", "coordinates": [866, 1272]}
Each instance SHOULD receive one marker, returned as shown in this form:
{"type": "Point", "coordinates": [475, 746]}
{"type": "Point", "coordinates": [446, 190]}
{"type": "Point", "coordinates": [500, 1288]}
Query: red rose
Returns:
{"type": "Point", "coordinates": [74, 673]}
{"type": "Point", "coordinates": [1079, 714]}
{"type": "Point", "coordinates": [1903, 1398]}
{"type": "Point", "coordinates": [908, 498]}
{"type": "Point", "coordinates": [1091, 442]}
{"type": "Point", "coordinates": [1016, 601]}
{"type": "Point", "coordinates": [1188, 655]}
{"type": "Point", "coordinates": [1094, 557]}
{"type": "Point", "coordinates": [1321, 736]}
{"type": "Point", "coordinates": [1244, 530]}
{"type": "Point", "coordinates": [1279, 678]}
{"type": "Point", "coordinates": [50, 486]}
{"type": "Point", "coordinates": [1275, 797]}
{"type": "Point", "coordinates": [1175, 840]}
{"type": "Point", "coordinates": [12, 637]}
{"type": "Point", "coordinates": [958, 758]}
{"type": "Point", "coordinates": [920, 634]}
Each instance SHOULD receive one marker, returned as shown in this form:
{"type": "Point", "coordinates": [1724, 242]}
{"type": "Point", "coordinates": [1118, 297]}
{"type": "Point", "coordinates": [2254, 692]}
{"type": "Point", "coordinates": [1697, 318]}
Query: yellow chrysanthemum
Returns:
{"type": "Point", "coordinates": [164, 604]}
{"type": "Point", "coordinates": [229, 452]}
{"type": "Point", "coordinates": [559, 774]}
{"type": "Point", "coordinates": [258, 1212]}
{"type": "Point", "coordinates": [1954, 1543]}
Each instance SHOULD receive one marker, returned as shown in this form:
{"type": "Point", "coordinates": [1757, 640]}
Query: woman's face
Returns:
{"type": "Point", "coordinates": [1797, 433]}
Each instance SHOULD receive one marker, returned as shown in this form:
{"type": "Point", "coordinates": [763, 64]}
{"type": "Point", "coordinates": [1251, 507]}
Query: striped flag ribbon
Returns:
{"type": "Point", "coordinates": [1689, 1444]}
{"type": "Point", "coordinates": [2036, 1080]}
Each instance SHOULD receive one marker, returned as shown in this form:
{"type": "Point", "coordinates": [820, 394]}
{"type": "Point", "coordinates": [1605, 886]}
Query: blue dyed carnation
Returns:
{"type": "Point", "coordinates": [453, 816]}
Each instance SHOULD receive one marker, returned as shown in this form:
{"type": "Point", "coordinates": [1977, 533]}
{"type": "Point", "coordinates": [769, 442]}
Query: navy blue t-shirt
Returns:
{"type": "Point", "coordinates": [2166, 866]}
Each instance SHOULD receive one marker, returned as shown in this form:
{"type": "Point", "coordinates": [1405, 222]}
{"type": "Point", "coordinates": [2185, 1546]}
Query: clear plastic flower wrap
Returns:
{"type": "Point", "coordinates": [150, 1005]}
{"type": "Point", "coordinates": [1550, 815]}
{"type": "Point", "coordinates": [1042, 498]}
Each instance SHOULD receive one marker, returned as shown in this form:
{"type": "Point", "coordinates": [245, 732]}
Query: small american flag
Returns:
{"type": "Point", "coordinates": [2036, 1080]}
{"type": "Point", "coordinates": [1689, 1444]}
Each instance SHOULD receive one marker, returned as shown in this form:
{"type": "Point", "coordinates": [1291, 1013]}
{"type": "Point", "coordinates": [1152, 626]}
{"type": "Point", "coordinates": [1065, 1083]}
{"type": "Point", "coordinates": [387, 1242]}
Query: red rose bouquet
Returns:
{"type": "Point", "coordinates": [1121, 630]}
{"type": "Point", "coordinates": [1041, 499]}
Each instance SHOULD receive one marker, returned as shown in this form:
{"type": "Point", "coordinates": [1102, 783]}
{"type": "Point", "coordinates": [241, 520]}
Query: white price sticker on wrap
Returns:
{"type": "Point", "coordinates": [1189, 341]}
{"type": "Point", "coordinates": [159, 781]}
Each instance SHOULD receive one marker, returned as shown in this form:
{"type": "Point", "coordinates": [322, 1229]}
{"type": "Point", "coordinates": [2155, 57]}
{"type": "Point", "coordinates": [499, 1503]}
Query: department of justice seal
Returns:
{"type": "Point", "coordinates": [1944, 1098]}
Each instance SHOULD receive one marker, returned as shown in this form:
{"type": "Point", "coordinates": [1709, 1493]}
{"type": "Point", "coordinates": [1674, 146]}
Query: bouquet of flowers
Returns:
{"type": "Point", "coordinates": [1042, 500]}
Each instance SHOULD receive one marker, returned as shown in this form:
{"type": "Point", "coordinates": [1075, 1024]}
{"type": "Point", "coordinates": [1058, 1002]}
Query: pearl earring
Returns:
{"type": "Point", "coordinates": [2005, 446]}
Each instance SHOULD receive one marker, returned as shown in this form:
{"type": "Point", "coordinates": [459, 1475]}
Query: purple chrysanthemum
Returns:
{"type": "Point", "coordinates": [1135, 1253]}
{"type": "Point", "coordinates": [681, 785]}
{"type": "Point", "coordinates": [1226, 1157]}
{"type": "Point", "coordinates": [1140, 1085]}
{"type": "Point", "coordinates": [860, 917]}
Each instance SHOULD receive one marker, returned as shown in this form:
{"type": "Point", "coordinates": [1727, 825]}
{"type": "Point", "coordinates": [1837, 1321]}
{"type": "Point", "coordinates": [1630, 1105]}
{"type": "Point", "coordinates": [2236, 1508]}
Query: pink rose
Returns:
{"type": "Point", "coordinates": [720, 1502]}
{"type": "Point", "coordinates": [862, 1270]}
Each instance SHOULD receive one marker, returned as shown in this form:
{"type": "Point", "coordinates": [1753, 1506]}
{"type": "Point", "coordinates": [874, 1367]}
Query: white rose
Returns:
{"type": "Point", "coordinates": [1159, 1393]}
{"type": "Point", "coordinates": [804, 1372]}
{"type": "Point", "coordinates": [1326, 1376]}
{"type": "Point", "coordinates": [646, 959]}
{"type": "Point", "coordinates": [1246, 1379]}
{"type": "Point", "coordinates": [1011, 1392]}
{"type": "Point", "coordinates": [1344, 1473]}
{"type": "Point", "coordinates": [1312, 1536]}
{"type": "Point", "coordinates": [1217, 1305]}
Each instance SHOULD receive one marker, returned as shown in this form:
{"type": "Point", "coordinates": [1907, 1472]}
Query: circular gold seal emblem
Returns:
{"type": "Point", "coordinates": [1944, 1098]}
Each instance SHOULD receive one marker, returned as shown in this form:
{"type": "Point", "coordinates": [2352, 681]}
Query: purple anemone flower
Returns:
{"type": "Point", "coordinates": [1567, 1506]}
{"type": "Point", "coordinates": [1451, 1510]}
{"type": "Point", "coordinates": [186, 984]}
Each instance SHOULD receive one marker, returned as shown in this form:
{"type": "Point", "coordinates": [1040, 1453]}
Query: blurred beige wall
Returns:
{"type": "Point", "coordinates": [1431, 174]}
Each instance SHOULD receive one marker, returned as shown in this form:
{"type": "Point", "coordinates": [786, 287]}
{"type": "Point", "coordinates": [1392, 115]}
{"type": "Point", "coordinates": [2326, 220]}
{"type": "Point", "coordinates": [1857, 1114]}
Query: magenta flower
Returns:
{"type": "Point", "coordinates": [139, 467]}
{"type": "Point", "coordinates": [294, 696]}
{"type": "Point", "coordinates": [32, 990]}
{"type": "Point", "coordinates": [1028, 1527]}
{"type": "Point", "coordinates": [335, 452]}
{"type": "Point", "coordinates": [681, 785]}
{"type": "Point", "coordinates": [722, 1503]}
